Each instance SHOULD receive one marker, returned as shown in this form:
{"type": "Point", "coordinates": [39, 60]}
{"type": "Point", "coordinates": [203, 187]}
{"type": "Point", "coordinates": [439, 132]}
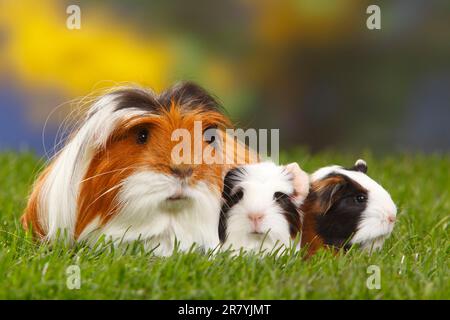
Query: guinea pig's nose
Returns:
{"type": "Point", "coordinates": [255, 217]}
{"type": "Point", "coordinates": [181, 171]}
{"type": "Point", "coordinates": [391, 218]}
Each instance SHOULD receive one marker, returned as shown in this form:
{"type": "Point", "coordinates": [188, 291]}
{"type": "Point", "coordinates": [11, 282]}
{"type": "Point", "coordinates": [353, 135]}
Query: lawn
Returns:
{"type": "Point", "coordinates": [414, 262]}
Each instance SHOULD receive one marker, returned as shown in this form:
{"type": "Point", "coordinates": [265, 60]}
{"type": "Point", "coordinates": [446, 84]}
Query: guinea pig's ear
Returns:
{"type": "Point", "coordinates": [300, 182]}
{"type": "Point", "coordinates": [228, 182]}
{"type": "Point", "coordinates": [232, 177]}
{"type": "Point", "coordinates": [327, 191]}
{"type": "Point", "coordinates": [360, 165]}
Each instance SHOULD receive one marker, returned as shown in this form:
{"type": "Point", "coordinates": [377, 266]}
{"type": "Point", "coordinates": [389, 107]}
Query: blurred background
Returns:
{"type": "Point", "coordinates": [308, 67]}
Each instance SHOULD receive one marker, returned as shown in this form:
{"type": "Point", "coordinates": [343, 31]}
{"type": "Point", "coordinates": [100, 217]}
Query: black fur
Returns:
{"type": "Point", "coordinates": [339, 223]}
{"type": "Point", "coordinates": [187, 94]}
{"type": "Point", "coordinates": [190, 96]}
{"type": "Point", "coordinates": [361, 167]}
{"type": "Point", "coordinates": [137, 98]}
{"type": "Point", "coordinates": [289, 211]}
{"type": "Point", "coordinates": [229, 200]}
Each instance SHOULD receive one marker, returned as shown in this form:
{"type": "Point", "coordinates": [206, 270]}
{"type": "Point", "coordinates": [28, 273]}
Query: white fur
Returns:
{"type": "Point", "coordinates": [58, 197]}
{"type": "Point", "coordinates": [260, 182]}
{"type": "Point", "coordinates": [374, 226]}
{"type": "Point", "coordinates": [146, 214]}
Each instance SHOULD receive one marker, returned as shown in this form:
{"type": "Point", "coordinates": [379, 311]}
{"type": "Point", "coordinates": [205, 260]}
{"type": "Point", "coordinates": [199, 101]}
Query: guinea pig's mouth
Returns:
{"type": "Point", "coordinates": [177, 197]}
{"type": "Point", "coordinates": [258, 235]}
{"type": "Point", "coordinates": [179, 200]}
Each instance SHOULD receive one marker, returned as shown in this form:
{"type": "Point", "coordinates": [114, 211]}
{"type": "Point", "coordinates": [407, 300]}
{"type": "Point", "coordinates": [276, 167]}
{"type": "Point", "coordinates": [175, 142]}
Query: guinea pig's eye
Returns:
{"type": "Point", "coordinates": [142, 136]}
{"type": "Point", "coordinates": [238, 195]}
{"type": "Point", "coordinates": [361, 198]}
{"type": "Point", "coordinates": [209, 135]}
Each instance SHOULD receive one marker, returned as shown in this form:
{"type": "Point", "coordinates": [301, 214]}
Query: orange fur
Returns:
{"type": "Point", "coordinates": [311, 208]}
{"type": "Point", "coordinates": [122, 156]}
{"type": "Point", "coordinates": [31, 218]}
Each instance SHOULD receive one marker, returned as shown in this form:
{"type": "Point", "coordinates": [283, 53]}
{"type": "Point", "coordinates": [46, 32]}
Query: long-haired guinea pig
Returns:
{"type": "Point", "coordinates": [260, 206]}
{"type": "Point", "coordinates": [346, 207]}
{"type": "Point", "coordinates": [116, 175]}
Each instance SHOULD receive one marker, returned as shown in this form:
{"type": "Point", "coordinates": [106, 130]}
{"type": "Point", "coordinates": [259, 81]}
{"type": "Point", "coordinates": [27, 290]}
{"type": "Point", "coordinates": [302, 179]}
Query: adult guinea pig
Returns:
{"type": "Point", "coordinates": [116, 176]}
{"type": "Point", "coordinates": [260, 206]}
{"type": "Point", "coordinates": [346, 207]}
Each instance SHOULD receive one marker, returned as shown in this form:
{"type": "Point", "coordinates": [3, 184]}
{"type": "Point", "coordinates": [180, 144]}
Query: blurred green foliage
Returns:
{"type": "Point", "coordinates": [308, 67]}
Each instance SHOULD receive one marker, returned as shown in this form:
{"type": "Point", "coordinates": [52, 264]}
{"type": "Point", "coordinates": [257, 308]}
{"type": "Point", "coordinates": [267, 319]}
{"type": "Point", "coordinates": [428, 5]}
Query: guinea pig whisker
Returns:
{"type": "Point", "coordinates": [108, 172]}
{"type": "Point", "coordinates": [63, 127]}
{"type": "Point", "coordinates": [70, 122]}
{"type": "Point", "coordinates": [226, 186]}
{"type": "Point", "coordinates": [46, 122]}
{"type": "Point", "coordinates": [103, 194]}
{"type": "Point", "coordinates": [278, 198]}
{"type": "Point", "coordinates": [116, 205]}
{"type": "Point", "coordinates": [228, 198]}
{"type": "Point", "coordinates": [225, 204]}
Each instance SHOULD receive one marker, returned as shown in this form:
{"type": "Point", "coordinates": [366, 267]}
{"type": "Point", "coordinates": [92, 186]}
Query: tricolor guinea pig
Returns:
{"type": "Point", "coordinates": [116, 175]}
{"type": "Point", "coordinates": [346, 207]}
{"type": "Point", "coordinates": [260, 206]}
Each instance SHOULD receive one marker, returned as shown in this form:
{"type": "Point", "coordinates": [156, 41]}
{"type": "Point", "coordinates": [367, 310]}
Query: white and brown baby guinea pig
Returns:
{"type": "Point", "coordinates": [260, 206]}
{"type": "Point", "coordinates": [346, 207]}
{"type": "Point", "coordinates": [116, 176]}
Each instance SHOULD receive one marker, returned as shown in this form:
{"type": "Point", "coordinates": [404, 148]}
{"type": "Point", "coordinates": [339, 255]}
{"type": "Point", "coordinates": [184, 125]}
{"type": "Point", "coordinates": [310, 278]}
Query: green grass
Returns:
{"type": "Point", "coordinates": [414, 261]}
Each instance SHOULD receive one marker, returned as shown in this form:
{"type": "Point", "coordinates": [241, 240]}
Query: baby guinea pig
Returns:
{"type": "Point", "coordinates": [260, 206]}
{"type": "Point", "coordinates": [346, 207]}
